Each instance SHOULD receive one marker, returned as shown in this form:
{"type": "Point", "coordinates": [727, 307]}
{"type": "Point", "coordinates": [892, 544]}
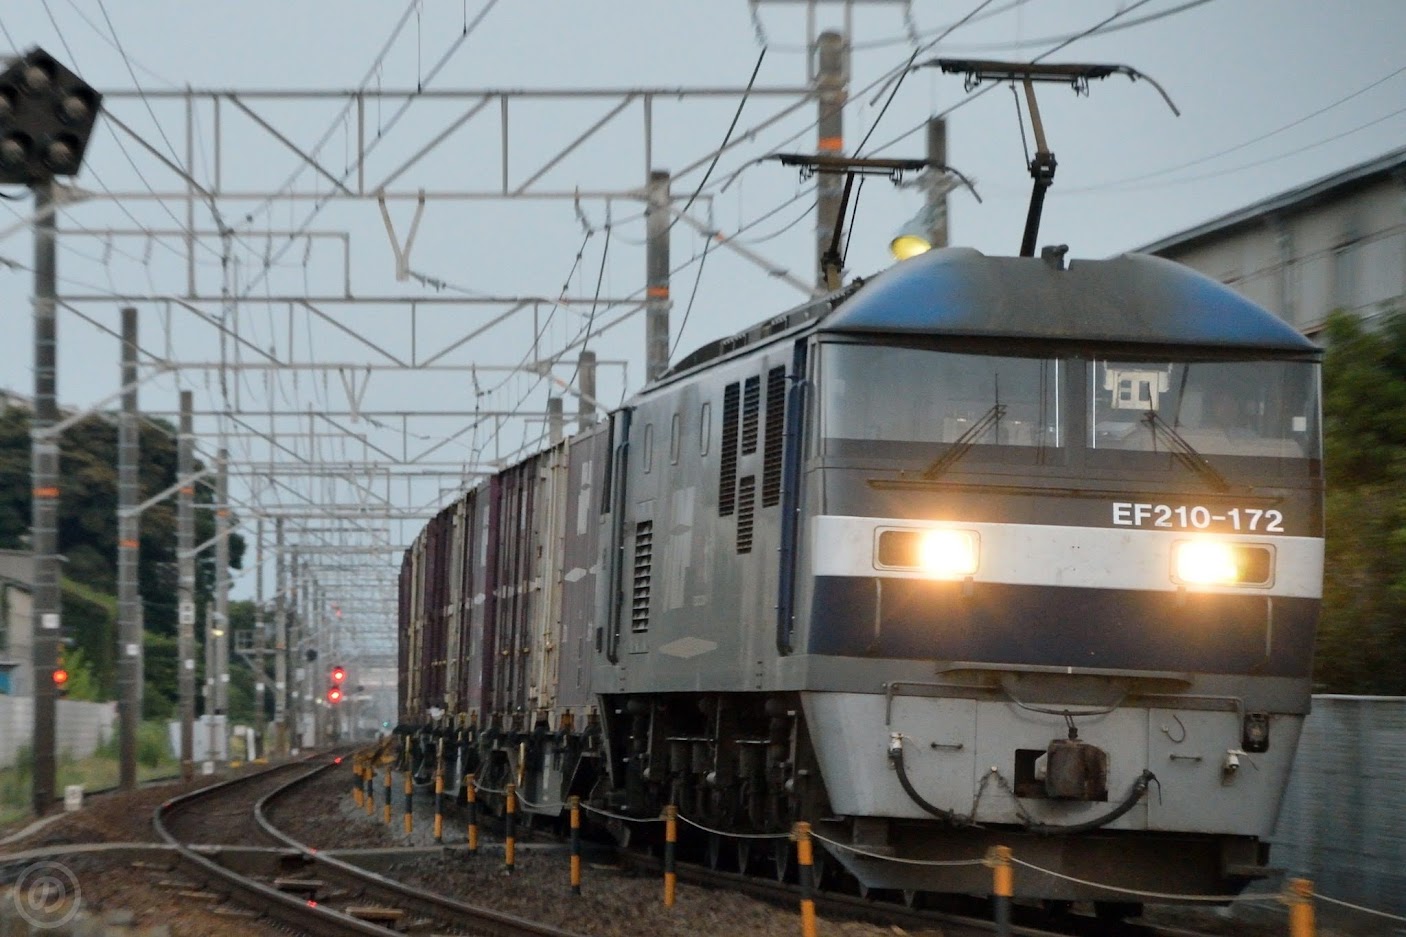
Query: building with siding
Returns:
{"type": "Point", "coordinates": [1335, 243]}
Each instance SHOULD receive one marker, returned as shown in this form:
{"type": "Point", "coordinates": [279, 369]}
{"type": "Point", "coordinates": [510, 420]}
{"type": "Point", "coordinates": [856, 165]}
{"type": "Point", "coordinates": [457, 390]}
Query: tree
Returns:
{"type": "Point", "coordinates": [1362, 634]}
{"type": "Point", "coordinates": [88, 535]}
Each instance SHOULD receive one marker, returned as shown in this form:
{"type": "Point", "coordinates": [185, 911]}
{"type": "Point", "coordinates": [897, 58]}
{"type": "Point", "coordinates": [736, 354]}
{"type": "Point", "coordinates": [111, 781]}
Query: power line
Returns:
{"type": "Point", "coordinates": [1239, 146]}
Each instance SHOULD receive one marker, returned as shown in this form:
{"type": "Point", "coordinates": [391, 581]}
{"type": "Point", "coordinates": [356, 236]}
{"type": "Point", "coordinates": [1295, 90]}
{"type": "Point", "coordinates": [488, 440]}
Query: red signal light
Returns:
{"type": "Point", "coordinates": [60, 676]}
{"type": "Point", "coordinates": [338, 674]}
{"type": "Point", "coordinates": [334, 695]}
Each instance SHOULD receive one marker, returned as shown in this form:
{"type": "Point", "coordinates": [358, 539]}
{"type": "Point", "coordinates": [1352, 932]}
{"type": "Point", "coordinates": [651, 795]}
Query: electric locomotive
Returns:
{"type": "Point", "coordinates": [985, 550]}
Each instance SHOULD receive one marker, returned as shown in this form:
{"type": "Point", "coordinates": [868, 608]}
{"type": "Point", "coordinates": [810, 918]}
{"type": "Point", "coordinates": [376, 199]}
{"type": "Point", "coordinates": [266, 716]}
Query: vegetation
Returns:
{"type": "Point", "coordinates": [88, 541]}
{"type": "Point", "coordinates": [94, 773]}
{"type": "Point", "coordinates": [1362, 636]}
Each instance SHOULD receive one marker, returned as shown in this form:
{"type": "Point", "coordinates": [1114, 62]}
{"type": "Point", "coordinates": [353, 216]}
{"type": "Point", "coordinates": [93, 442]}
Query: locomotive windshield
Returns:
{"type": "Point", "coordinates": [892, 394]}
{"type": "Point", "coordinates": [1232, 408]}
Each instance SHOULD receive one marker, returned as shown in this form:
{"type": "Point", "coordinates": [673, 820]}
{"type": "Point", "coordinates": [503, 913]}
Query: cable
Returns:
{"type": "Point", "coordinates": [678, 337]}
{"type": "Point", "coordinates": [717, 154]}
{"type": "Point", "coordinates": [903, 40]}
{"type": "Point", "coordinates": [1240, 146]}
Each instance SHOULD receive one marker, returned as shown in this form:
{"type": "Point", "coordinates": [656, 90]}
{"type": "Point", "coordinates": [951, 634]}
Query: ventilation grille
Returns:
{"type": "Point", "coordinates": [751, 411]}
{"type": "Point", "coordinates": [644, 562]}
{"type": "Point", "coordinates": [746, 492]}
{"type": "Point", "coordinates": [775, 435]}
{"type": "Point", "coordinates": [727, 482]}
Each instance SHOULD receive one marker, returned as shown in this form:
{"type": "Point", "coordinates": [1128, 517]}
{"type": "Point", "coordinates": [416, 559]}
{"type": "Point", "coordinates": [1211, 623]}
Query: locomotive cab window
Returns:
{"type": "Point", "coordinates": [1225, 408]}
{"type": "Point", "coordinates": [888, 394]}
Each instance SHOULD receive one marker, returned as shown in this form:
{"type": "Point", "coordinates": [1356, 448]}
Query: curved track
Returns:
{"type": "Point", "coordinates": [301, 888]}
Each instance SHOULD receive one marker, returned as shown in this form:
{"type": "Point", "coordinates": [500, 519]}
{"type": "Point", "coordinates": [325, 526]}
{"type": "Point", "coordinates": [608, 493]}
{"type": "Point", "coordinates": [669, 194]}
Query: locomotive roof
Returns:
{"type": "Point", "coordinates": [1132, 298]}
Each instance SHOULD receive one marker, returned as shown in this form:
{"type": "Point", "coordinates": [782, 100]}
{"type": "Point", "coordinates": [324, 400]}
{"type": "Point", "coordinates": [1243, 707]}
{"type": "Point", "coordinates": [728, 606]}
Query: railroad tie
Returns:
{"type": "Point", "coordinates": [299, 886]}
{"type": "Point", "coordinates": [376, 915]}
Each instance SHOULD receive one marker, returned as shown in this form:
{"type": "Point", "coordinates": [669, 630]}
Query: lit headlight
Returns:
{"type": "Point", "coordinates": [942, 554]}
{"type": "Point", "coordinates": [1216, 563]}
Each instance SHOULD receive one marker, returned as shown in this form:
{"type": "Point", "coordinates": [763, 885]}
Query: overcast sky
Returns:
{"type": "Point", "coordinates": [1273, 93]}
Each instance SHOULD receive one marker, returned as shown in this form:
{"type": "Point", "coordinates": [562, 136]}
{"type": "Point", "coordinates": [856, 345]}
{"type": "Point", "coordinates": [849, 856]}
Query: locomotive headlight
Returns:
{"type": "Point", "coordinates": [941, 554]}
{"type": "Point", "coordinates": [1217, 563]}
{"type": "Point", "coordinates": [947, 553]}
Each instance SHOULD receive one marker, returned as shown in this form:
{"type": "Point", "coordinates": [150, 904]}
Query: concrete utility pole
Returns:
{"type": "Point", "coordinates": [556, 422]}
{"type": "Point", "coordinates": [937, 193]}
{"type": "Point", "coordinates": [185, 564]}
{"type": "Point", "coordinates": [44, 464]}
{"type": "Point", "coordinates": [656, 264]}
{"type": "Point", "coordinates": [586, 384]}
{"type": "Point", "coordinates": [295, 651]}
{"type": "Point", "coordinates": [280, 641]}
{"type": "Point", "coordinates": [831, 83]}
{"type": "Point", "coordinates": [129, 620]}
{"type": "Point", "coordinates": [221, 644]}
{"type": "Point", "coordinates": [260, 630]}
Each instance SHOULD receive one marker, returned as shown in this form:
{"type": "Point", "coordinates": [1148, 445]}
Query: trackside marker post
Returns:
{"type": "Point", "coordinates": [805, 857]}
{"type": "Point", "coordinates": [1002, 887]}
{"type": "Point", "coordinates": [369, 798]}
{"type": "Point", "coordinates": [671, 838]}
{"type": "Point", "coordinates": [1300, 901]}
{"type": "Point", "coordinates": [575, 803]}
{"type": "Point", "coordinates": [409, 799]}
{"type": "Point", "coordinates": [388, 794]}
{"type": "Point", "coordinates": [471, 793]}
{"type": "Point", "coordinates": [356, 785]}
{"type": "Point", "coordinates": [510, 836]}
{"type": "Point", "coordinates": [439, 795]}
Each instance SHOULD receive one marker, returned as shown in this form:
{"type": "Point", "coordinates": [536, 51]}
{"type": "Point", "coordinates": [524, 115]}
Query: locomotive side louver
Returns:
{"type": "Point", "coordinates": [746, 496]}
{"type": "Point", "coordinates": [727, 482]}
{"type": "Point", "coordinates": [775, 434]}
{"type": "Point", "coordinates": [644, 563]}
{"type": "Point", "coordinates": [751, 414]}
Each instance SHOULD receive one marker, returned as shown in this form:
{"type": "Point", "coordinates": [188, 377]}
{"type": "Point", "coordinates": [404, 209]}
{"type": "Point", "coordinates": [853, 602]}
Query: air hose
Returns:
{"type": "Point", "coordinates": [1140, 786]}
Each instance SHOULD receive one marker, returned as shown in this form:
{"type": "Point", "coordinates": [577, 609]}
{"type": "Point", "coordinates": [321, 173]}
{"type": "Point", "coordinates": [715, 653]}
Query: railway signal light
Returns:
{"type": "Point", "coordinates": [61, 681]}
{"type": "Point", "coordinates": [339, 674]}
{"type": "Point", "coordinates": [47, 115]}
{"type": "Point", "coordinates": [334, 695]}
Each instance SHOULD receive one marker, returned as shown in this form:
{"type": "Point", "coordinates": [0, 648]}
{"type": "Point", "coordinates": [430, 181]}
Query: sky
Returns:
{"type": "Point", "coordinates": [1272, 94]}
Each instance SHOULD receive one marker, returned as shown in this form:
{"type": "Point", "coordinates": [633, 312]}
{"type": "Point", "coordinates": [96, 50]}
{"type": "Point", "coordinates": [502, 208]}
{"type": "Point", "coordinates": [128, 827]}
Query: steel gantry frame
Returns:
{"type": "Point", "coordinates": [332, 533]}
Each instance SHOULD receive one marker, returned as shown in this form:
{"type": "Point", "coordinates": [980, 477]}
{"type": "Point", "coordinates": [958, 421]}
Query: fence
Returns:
{"type": "Point", "coordinates": [81, 727]}
{"type": "Point", "coordinates": [1343, 823]}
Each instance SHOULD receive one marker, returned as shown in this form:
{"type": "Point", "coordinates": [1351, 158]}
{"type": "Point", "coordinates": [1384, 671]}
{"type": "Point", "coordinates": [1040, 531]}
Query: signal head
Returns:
{"type": "Point", "coordinates": [339, 674]}
{"type": "Point", "coordinates": [334, 695]}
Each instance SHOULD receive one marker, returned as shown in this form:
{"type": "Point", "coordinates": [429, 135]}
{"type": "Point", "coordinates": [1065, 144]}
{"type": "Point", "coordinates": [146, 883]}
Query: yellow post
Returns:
{"type": "Point", "coordinates": [1002, 887]}
{"type": "Point", "coordinates": [671, 838]}
{"type": "Point", "coordinates": [805, 856]}
{"type": "Point", "coordinates": [472, 796]}
{"type": "Point", "coordinates": [356, 785]}
{"type": "Point", "coordinates": [510, 824]}
{"type": "Point", "coordinates": [575, 804]}
{"type": "Point", "coordinates": [439, 806]}
{"type": "Point", "coordinates": [368, 799]}
{"type": "Point", "coordinates": [389, 787]}
{"type": "Point", "coordinates": [409, 801]}
{"type": "Point", "coordinates": [1300, 901]}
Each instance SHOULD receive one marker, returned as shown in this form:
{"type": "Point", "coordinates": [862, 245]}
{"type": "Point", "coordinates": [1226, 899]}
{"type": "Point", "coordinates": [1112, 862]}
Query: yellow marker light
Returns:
{"type": "Point", "coordinates": [947, 553]}
{"type": "Point", "coordinates": [1205, 563]}
{"type": "Point", "coordinates": [906, 245]}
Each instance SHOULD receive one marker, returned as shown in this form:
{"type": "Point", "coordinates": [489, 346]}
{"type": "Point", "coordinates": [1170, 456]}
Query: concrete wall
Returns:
{"type": "Point", "coordinates": [1343, 824]}
{"type": "Point", "coordinates": [81, 728]}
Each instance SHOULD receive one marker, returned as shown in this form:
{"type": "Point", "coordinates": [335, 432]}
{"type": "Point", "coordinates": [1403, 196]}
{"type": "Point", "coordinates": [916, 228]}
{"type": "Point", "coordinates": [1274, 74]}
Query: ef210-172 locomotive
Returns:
{"type": "Point", "coordinates": [983, 550]}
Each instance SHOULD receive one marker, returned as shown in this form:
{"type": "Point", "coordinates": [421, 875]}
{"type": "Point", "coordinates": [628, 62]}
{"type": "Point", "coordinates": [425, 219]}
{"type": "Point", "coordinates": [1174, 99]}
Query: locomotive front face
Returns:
{"type": "Point", "coordinates": [1080, 573]}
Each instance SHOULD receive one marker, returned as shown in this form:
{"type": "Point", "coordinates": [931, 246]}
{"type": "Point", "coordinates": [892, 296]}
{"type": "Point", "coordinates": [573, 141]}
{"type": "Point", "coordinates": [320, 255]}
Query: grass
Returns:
{"type": "Point", "coordinates": [97, 771]}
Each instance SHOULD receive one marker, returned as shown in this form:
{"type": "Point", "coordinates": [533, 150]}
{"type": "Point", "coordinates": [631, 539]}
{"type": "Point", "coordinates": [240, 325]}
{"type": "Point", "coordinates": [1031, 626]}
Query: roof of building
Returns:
{"type": "Point", "coordinates": [17, 566]}
{"type": "Point", "coordinates": [1131, 299]}
{"type": "Point", "coordinates": [1305, 196]}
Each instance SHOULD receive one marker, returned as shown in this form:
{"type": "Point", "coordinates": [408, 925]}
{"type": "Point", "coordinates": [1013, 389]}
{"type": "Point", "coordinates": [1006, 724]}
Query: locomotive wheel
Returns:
{"type": "Point", "coordinates": [781, 858]}
{"type": "Point", "coordinates": [914, 900]}
{"type": "Point", "coordinates": [744, 855]}
{"type": "Point", "coordinates": [715, 851]}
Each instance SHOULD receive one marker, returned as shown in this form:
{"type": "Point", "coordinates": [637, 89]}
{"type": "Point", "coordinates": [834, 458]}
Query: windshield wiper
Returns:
{"type": "Point", "coordinates": [963, 443]}
{"type": "Point", "coordinates": [1184, 452]}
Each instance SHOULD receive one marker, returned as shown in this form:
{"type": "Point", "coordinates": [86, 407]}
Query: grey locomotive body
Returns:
{"type": "Point", "coordinates": [984, 551]}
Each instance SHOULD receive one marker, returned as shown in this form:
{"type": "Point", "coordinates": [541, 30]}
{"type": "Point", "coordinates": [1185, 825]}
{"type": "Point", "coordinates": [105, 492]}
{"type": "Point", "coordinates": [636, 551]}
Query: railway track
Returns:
{"type": "Point", "coordinates": [831, 905]}
{"type": "Point", "coordinates": [292, 883]}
